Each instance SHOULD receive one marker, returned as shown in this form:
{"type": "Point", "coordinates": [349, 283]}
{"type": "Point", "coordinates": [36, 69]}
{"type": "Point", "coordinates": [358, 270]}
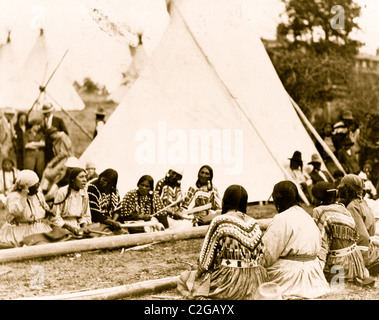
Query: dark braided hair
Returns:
{"type": "Point", "coordinates": [150, 180]}
{"type": "Point", "coordinates": [73, 174]}
{"type": "Point", "coordinates": [210, 180]}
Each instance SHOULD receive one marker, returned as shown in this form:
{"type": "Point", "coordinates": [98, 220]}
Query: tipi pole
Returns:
{"type": "Point", "coordinates": [71, 118]}
{"type": "Point", "coordinates": [43, 88]}
{"type": "Point", "coordinates": [316, 135]}
{"type": "Point", "coordinates": [233, 98]}
{"type": "Point", "coordinates": [114, 293]}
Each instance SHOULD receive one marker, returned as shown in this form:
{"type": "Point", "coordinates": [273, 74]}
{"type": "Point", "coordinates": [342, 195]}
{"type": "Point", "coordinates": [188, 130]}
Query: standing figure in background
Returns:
{"type": "Point", "coordinates": [368, 147]}
{"type": "Point", "coordinates": [354, 137]}
{"type": "Point", "coordinates": [34, 158]}
{"type": "Point", "coordinates": [20, 130]}
{"type": "Point", "coordinates": [100, 121]}
{"type": "Point", "coordinates": [203, 193]}
{"type": "Point", "coordinates": [62, 150]}
{"type": "Point", "coordinates": [341, 129]}
{"type": "Point", "coordinates": [346, 158]}
{"type": "Point", "coordinates": [299, 176]}
{"type": "Point", "coordinates": [51, 121]}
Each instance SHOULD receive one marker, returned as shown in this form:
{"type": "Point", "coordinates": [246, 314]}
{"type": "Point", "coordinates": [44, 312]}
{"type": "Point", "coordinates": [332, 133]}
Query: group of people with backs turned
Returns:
{"type": "Point", "coordinates": [300, 255]}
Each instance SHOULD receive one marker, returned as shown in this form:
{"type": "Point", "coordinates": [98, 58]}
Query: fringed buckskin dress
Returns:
{"type": "Point", "coordinates": [339, 242]}
{"type": "Point", "coordinates": [230, 261]}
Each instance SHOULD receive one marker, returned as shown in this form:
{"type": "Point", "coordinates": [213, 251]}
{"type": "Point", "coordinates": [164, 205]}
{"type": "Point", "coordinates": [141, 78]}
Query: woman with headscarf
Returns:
{"type": "Point", "coordinates": [25, 210]}
{"type": "Point", "coordinates": [143, 203]}
{"type": "Point", "coordinates": [351, 195]}
{"type": "Point", "coordinates": [203, 193]}
{"type": "Point", "coordinates": [292, 242]}
{"type": "Point", "coordinates": [104, 199]}
{"type": "Point", "coordinates": [338, 236]}
{"type": "Point", "coordinates": [230, 262]}
{"type": "Point", "coordinates": [71, 203]}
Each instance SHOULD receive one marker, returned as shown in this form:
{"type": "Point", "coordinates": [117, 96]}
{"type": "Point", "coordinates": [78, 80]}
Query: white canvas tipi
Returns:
{"type": "Point", "coordinates": [208, 95]}
{"type": "Point", "coordinates": [139, 58]}
{"type": "Point", "coordinates": [9, 69]}
{"type": "Point", "coordinates": [35, 72]}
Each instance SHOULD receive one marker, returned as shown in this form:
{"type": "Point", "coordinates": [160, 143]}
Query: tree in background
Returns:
{"type": "Point", "coordinates": [315, 54]}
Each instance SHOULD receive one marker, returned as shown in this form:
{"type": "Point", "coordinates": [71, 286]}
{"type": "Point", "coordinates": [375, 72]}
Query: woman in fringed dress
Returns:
{"type": "Point", "coordinates": [230, 259]}
{"type": "Point", "coordinates": [338, 237]}
{"type": "Point", "coordinates": [351, 195]}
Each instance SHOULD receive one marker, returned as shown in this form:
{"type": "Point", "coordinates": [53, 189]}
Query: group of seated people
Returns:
{"type": "Point", "coordinates": [83, 207]}
{"type": "Point", "coordinates": [300, 255]}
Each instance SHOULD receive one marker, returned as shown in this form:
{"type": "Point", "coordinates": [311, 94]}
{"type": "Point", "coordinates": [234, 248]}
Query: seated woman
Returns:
{"type": "Point", "coordinates": [25, 210]}
{"type": "Point", "coordinates": [292, 242]}
{"type": "Point", "coordinates": [142, 204]}
{"type": "Point", "coordinates": [104, 200]}
{"type": "Point", "coordinates": [230, 264]}
{"type": "Point", "coordinates": [71, 203]}
{"type": "Point", "coordinates": [351, 195]}
{"type": "Point", "coordinates": [202, 193]}
{"type": "Point", "coordinates": [170, 191]}
{"type": "Point", "coordinates": [338, 236]}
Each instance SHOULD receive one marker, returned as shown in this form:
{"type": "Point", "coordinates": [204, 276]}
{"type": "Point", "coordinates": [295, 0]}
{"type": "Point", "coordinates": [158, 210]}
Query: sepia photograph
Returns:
{"type": "Point", "coordinates": [170, 151]}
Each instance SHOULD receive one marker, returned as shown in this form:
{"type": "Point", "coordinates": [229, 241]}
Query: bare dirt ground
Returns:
{"type": "Point", "coordinates": [109, 268]}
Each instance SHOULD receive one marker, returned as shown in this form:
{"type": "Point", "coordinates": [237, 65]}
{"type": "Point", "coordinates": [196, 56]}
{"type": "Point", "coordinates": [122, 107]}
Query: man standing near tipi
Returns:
{"type": "Point", "coordinates": [49, 120]}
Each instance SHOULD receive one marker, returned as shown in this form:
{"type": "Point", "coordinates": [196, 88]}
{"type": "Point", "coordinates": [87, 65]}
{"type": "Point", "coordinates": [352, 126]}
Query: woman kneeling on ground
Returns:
{"type": "Point", "coordinates": [338, 237]}
{"type": "Point", "coordinates": [71, 203]}
{"type": "Point", "coordinates": [230, 263]}
{"type": "Point", "coordinates": [292, 242]}
{"type": "Point", "coordinates": [144, 204]}
{"type": "Point", "coordinates": [26, 210]}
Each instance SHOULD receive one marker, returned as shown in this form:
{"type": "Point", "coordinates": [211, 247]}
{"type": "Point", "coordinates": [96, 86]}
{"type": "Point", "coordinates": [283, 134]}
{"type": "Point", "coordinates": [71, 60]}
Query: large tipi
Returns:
{"type": "Point", "coordinates": [9, 68]}
{"type": "Point", "coordinates": [35, 73]}
{"type": "Point", "coordinates": [208, 95]}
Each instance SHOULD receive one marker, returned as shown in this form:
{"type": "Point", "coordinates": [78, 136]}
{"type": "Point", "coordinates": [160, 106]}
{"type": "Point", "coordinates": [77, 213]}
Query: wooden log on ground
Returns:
{"type": "Point", "coordinates": [109, 242]}
{"type": "Point", "coordinates": [115, 293]}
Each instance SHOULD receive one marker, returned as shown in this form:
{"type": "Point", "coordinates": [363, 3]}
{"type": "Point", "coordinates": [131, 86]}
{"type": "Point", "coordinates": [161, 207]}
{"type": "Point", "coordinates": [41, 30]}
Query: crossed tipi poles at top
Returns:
{"type": "Point", "coordinates": [42, 90]}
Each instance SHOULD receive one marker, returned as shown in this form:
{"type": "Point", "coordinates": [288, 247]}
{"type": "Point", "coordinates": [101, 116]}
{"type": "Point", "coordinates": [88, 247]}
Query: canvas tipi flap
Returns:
{"type": "Point", "coordinates": [208, 95]}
